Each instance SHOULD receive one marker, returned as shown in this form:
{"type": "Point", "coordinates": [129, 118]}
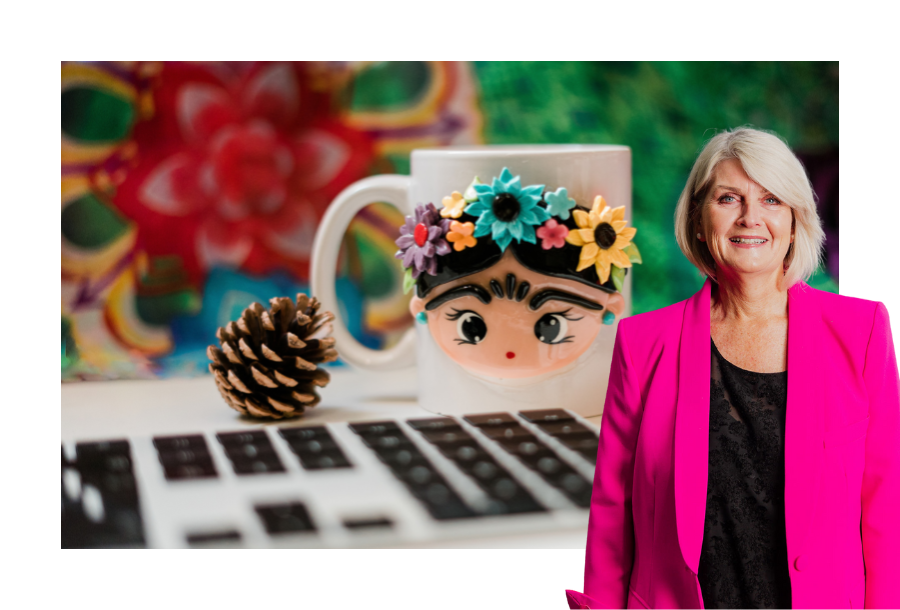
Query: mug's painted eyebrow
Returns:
{"type": "Point", "coordinates": [473, 290]}
{"type": "Point", "coordinates": [558, 295]}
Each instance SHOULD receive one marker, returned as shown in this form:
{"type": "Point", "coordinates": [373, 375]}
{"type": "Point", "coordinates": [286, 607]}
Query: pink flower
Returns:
{"type": "Point", "coordinates": [552, 234]}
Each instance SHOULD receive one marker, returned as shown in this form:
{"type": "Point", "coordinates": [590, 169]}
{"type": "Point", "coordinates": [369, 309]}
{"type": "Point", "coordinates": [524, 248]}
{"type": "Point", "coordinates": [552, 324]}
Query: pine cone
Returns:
{"type": "Point", "coordinates": [267, 364]}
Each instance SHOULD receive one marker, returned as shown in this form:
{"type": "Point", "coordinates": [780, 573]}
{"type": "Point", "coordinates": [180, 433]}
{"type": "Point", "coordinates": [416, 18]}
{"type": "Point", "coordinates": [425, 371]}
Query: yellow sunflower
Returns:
{"type": "Point", "coordinates": [602, 234]}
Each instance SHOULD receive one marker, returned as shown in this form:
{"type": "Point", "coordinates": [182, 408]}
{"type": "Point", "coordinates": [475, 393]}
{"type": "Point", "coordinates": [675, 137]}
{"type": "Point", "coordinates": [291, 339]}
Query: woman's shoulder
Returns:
{"type": "Point", "coordinates": [845, 310]}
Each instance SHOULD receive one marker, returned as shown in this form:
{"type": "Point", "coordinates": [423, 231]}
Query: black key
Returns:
{"type": "Point", "coordinates": [523, 503]}
{"type": "Point", "coordinates": [546, 415]}
{"type": "Point", "coordinates": [482, 469]}
{"type": "Point", "coordinates": [168, 444]}
{"type": "Point", "coordinates": [454, 509]}
{"type": "Point", "coordinates": [86, 451]}
{"type": "Point", "coordinates": [306, 433]}
{"type": "Point", "coordinates": [324, 461]}
{"type": "Point", "coordinates": [418, 476]}
{"type": "Point", "coordinates": [104, 456]}
{"type": "Point", "coordinates": [265, 466]}
{"type": "Point", "coordinates": [212, 537]}
{"type": "Point", "coordinates": [589, 453]}
{"type": "Point", "coordinates": [285, 518]}
{"type": "Point", "coordinates": [463, 453]}
{"type": "Point", "coordinates": [578, 442]}
{"type": "Point", "coordinates": [507, 431]}
{"type": "Point", "coordinates": [388, 442]}
{"type": "Point", "coordinates": [402, 459]}
{"type": "Point", "coordinates": [565, 428]}
{"type": "Point", "coordinates": [316, 445]}
{"type": "Point", "coordinates": [107, 468]}
{"type": "Point", "coordinates": [229, 439]}
{"type": "Point", "coordinates": [184, 456]}
{"type": "Point", "coordinates": [197, 470]}
{"type": "Point", "coordinates": [548, 466]}
{"type": "Point", "coordinates": [251, 451]}
{"type": "Point", "coordinates": [434, 424]}
{"type": "Point", "coordinates": [65, 460]}
{"type": "Point", "coordinates": [117, 486]}
{"type": "Point", "coordinates": [367, 524]}
{"type": "Point", "coordinates": [377, 428]}
{"type": "Point", "coordinates": [490, 419]}
{"type": "Point", "coordinates": [445, 437]}
{"type": "Point", "coordinates": [524, 446]}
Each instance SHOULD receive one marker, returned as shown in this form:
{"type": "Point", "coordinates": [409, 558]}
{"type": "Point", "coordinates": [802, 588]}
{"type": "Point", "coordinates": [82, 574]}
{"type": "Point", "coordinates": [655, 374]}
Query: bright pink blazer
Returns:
{"type": "Point", "coordinates": [842, 458]}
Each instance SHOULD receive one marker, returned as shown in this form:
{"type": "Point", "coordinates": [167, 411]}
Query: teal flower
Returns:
{"type": "Point", "coordinates": [507, 211]}
{"type": "Point", "coordinates": [559, 203]}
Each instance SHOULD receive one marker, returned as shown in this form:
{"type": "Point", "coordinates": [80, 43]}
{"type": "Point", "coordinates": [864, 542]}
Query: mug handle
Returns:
{"type": "Point", "coordinates": [393, 189]}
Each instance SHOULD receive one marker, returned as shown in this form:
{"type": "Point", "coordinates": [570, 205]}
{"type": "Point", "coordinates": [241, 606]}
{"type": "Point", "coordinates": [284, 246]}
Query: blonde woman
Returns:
{"type": "Point", "coordinates": [750, 443]}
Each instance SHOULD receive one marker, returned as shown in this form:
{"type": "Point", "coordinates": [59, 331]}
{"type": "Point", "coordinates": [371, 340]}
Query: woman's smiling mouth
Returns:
{"type": "Point", "coordinates": [750, 241]}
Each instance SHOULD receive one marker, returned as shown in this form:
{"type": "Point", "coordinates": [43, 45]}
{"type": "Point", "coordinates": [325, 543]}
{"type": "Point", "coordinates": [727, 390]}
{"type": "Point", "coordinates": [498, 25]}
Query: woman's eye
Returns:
{"type": "Point", "coordinates": [551, 328]}
{"type": "Point", "coordinates": [471, 327]}
{"type": "Point", "coordinates": [772, 200]}
{"type": "Point", "coordinates": [727, 199]}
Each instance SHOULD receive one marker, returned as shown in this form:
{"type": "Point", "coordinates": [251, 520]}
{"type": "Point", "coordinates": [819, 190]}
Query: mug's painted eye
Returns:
{"type": "Point", "coordinates": [551, 328]}
{"type": "Point", "coordinates": [471, 327]}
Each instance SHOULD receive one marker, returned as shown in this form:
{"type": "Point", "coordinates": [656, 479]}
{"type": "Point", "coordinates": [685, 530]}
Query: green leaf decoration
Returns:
{"type": "Point", "coordinates": [389, 86]}
{"type": "Point", "coordinates": [618, 277]}
{"type": "Point", "coordinates": [95, 116]}
{"type": "Point", "coordinates": [470, 195]}
{"type": "Point", "coordinates": [90, 223]}
{"type": "Point", "coordinates": [408, 281]}
{"type": "Point", "coordinates": [634, 255]}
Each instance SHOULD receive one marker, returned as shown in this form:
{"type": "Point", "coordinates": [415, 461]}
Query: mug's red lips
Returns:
{"type": "Point", "coordinates": [510, 355]}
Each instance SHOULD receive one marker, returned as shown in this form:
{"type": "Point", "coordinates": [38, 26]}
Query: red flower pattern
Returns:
{"type": "Point", "coordinates": [248, 157]}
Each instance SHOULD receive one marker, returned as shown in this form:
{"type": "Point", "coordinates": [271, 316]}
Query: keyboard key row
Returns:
{"type": "Point", "coordinates": [315, 448]}
{"type": "Point", "coordinates": [411, 467]}
{"type": "Point", "coordinates": [506, 496]}
{"type": "Point", "coordinates": [100, 506]}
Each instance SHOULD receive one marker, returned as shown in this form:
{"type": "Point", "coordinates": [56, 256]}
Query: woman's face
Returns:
{"type": "Point", "coordinates": [747, 229]}
{"type": "Point", "coordinates": [520, 335]}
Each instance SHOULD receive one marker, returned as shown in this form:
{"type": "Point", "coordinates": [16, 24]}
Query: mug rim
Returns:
{"type": "Point", "coordinates": [486, 150]}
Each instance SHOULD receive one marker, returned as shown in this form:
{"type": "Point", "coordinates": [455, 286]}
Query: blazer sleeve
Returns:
{"type": "Point", "coordinates": [610, 540]}
{"type": "Point", "coordinates": [881, 478]}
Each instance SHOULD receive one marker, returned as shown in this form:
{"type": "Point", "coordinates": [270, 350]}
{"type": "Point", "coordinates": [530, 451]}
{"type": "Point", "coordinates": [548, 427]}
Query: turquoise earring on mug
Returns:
{"type": "Point", "coordinates": [608, 318]}
{"type": "Point", "coordinates": [421, 318]}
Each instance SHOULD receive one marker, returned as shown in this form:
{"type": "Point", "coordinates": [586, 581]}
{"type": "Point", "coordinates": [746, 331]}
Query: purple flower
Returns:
{"type": "Point", "coordinates": [422, 240]}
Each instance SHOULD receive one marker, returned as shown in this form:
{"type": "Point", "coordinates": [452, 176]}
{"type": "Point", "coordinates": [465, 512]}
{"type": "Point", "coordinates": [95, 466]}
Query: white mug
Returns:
{"type": "Point", "coordinates": [453, 380]}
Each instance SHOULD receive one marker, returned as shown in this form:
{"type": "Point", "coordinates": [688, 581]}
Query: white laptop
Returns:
{"type": "Point", "coordinates": [167, 464]}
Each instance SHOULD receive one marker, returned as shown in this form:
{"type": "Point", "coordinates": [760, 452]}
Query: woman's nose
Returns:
{"type": "Point", "coordinates": [750, 216]}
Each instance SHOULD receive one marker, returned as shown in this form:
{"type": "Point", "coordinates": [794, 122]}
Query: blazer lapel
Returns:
{"type": "Point", "coordinates": [692, 426]}
{"type": "Point", "coordinates": [805, 425]}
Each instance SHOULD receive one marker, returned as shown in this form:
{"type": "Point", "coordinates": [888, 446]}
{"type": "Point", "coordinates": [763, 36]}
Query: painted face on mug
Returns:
{"type": "Point", "coordinates": [510, 322]}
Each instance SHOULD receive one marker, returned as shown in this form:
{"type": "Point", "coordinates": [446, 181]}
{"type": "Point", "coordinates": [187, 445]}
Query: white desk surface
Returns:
{"type": "Point", "coordinates": [113, 409]}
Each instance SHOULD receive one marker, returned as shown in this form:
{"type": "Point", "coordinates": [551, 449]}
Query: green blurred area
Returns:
{"type": "Point", "coordinates": [665, 112]}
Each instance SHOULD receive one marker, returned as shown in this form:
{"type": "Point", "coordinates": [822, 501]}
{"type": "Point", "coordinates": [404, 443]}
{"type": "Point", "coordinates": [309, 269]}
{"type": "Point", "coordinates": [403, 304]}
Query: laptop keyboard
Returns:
{"type": "Point", "coordinates": [379, 483]}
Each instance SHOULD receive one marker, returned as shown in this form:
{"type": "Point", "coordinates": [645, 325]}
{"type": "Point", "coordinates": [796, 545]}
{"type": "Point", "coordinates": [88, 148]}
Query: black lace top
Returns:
{"type": "Point", "coordinates": [743, 561]}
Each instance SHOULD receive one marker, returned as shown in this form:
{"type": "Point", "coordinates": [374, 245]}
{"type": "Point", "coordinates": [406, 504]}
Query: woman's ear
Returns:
{"type": "Point", "coordinates": [616, 304]}
{"type": "Point", "coordinates": [416, 306]}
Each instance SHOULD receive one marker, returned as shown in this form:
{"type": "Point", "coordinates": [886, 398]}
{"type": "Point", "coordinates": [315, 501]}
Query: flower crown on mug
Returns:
{"type": "Point", "coordinates": [591, 246]}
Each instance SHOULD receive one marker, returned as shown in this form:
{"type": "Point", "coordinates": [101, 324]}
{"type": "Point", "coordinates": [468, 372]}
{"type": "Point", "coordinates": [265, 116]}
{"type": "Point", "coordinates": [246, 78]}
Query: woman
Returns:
{"type": "Point", "coordinates": [750, 442]}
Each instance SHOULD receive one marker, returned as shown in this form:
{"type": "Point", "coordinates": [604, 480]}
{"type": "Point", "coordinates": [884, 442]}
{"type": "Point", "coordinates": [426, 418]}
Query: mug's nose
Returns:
{"type": "Point", "coordinates": [510, 355]}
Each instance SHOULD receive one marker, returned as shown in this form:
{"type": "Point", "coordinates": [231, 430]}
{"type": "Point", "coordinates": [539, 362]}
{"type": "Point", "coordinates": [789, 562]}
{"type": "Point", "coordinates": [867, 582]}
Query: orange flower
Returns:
{"type": "Point", "coordinates": [460, 235]}
{"type": "Point", "coordinates": [453, 205]}
{"type": "Point", "coordinates": [602, 235]}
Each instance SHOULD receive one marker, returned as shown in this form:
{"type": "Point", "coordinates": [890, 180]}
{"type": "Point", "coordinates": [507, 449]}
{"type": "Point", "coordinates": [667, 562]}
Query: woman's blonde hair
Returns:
{"type": "Point", "coordinates": [770, 163]}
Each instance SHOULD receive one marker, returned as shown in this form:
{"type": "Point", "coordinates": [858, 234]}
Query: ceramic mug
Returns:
{"type": "Point", "coordinates": [519, 269]}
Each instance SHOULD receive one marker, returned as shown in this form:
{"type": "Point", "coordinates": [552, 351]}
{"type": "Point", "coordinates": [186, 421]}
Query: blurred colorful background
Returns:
{"type": "Point", "coordinates": [190, 190]}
